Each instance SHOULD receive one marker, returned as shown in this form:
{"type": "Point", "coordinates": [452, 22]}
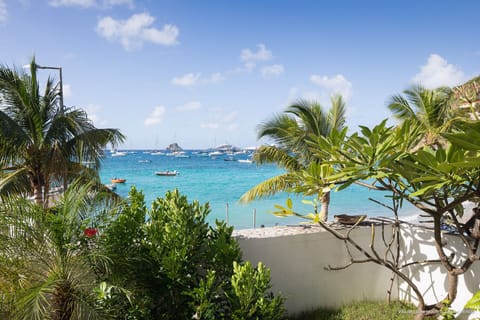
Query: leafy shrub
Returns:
{"type": "Point", "coordinates": [250, 299]}
{"type": "Point", "coordinates": [246, 298]}
{"type": "Point", "coordinates": [177, 266]}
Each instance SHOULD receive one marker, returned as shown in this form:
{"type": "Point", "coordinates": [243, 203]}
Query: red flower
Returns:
{"type": "Point", "coordinates": [90, 232]}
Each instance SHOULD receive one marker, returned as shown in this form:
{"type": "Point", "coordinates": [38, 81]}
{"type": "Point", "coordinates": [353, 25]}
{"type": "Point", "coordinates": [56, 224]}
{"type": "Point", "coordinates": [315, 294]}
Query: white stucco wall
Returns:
{"type": "Point", "coordinates": [297, 264]}
{"type": "Point", "coordinates": [432, 279]}
{"type": "Point", "coordinates": [297, 270]}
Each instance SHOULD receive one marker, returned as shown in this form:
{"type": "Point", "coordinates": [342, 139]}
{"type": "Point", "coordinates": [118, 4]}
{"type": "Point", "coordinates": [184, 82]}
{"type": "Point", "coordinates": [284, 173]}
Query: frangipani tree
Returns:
{"type": "Point", "coordinates": [435, 180]}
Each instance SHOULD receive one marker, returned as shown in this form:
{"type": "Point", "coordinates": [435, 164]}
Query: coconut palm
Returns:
{"type": "Point", "coordinates": [41, 142]}
{"type": "Point", "coordinates": [49, 267]}
{"type": "Point", "coordinates": [290, 132]}
{"type": "Point", "coordinates": [430, 110]}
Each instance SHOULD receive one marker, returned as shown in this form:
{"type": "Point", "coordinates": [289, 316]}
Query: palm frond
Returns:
{"type": "Point", "coordinates": [311, 115]}
{"type": "Point", "coordinates": [14, 182]}
{"type": "Point", "coordinates": [272, 154]}
{"type": "Point", "coordinates": [269, 187]}
{"type": "Point", "coordinates": [278, 128]}
{"type": "Point", "coordinates": [400, 108]}
{"type": "Point", "coordinates": [337, 113]}
{"type": "Point", "coordinates": [47, 258]}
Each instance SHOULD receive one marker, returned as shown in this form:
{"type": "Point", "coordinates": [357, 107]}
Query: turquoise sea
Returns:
{"type": "Point", "coordinates": [222, 183]}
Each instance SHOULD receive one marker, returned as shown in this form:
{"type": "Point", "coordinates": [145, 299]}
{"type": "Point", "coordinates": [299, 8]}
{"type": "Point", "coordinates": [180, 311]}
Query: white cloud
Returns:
{"type": "Point", "coordinates": [250, 58]}
{"type": "Point", "coordinates": [90, 3]}
{"type": "Point", "coordinates": [156, 116]}
{"type": "Point", "coordinates": [136, 30]}
{"type": "Point", "coordinates": [335, 85]}
{"type": "Point", "coordinates": [437, 72]}
{"type": "Point", "coordinates": [192, 105]}
{"type": "Point", "coordinates": [189, 79]}
{"type": "Point", "coordinates": [273, 70]}
{"type": "Point", "coordinates": [167, 36]}
{"type": "Point", "coordinates": [3, 11]}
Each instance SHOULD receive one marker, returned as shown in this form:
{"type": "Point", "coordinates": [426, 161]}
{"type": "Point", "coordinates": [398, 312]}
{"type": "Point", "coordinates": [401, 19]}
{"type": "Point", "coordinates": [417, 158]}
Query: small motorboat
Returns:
{"type": "Point", "coordinates": [166, 173]}
{"type": "Point", "coordinates": [119, 154]}
{"type": "Point", "coordinates": [118, 180]}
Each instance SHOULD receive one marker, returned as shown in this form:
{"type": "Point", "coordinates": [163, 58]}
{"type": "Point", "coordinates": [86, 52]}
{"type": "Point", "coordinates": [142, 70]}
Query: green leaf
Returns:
{"type": "Point", "coordinates": [310, 216]}
{"type": "Point", "coordinates": [426, 158]}
{"type": "Point", "coordinates": [474, 302]}
{"type": "Point", "coordinates": [464, 141]}
{"type": "Point", "coordinates": [289, 203]}
{"type": "Point", "coordinates": [428, 189]}
{"type": "Point", "coordinates": [467, 163]}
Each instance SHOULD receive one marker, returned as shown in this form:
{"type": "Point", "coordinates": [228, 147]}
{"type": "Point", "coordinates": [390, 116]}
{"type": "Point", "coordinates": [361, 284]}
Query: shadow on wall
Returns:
{"type": "Point", "coordinates": [298, 262]}
{"type": "Point", "coordinates": [418, 245]}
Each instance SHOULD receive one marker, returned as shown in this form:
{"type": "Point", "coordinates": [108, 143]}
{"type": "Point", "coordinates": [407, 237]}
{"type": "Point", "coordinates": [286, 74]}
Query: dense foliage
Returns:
{"type": "Point", "coordinates": [42, 142]}
{"type": "Point", "coordinates": [76, 261]}
{"type": "Point", "coordinates": [175, 265]}
{"type": "Point", "coordinates": [49, 267]}
{"type": "Point", "coordinates": [429, 159]}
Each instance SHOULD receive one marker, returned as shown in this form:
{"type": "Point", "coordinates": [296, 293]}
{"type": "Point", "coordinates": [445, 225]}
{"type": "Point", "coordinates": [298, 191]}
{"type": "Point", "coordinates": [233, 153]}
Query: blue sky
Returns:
{"type": "Point", "coordinates": [203, 73]}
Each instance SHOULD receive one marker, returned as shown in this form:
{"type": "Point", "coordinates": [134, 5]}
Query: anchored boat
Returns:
{"type": "Point", "coordinates": [166, 173]}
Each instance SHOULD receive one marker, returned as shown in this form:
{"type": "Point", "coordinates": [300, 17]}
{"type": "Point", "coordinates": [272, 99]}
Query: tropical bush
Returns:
{"type": "Point", "coordinates": [92, 259]}
{"type": "Point", "coordinates": [176, 266]}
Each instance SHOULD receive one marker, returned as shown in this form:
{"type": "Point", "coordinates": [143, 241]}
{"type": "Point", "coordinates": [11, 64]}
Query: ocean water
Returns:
{"type": "Point", "coordinates": [221, 183]}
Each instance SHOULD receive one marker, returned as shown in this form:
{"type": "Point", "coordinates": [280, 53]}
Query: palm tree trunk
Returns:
{"type": "Point", "coordinates": [37, 193]}
{"type": "Point", "coordinates": [325, 201]}
{"type": "Point", "coordinates": [62, 302]}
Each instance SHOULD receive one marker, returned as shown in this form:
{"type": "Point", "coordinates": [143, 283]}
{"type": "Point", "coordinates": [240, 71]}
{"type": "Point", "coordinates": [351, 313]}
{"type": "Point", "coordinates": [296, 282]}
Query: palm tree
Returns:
{"type": "Point", "coordinates": [43, 143]}
{"type": "Point", "coordinates": [290, 132]}
{"type": "Point", "coordinates": [430, 110]}
{"type": "Point", "coordinates": [49, 265]}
